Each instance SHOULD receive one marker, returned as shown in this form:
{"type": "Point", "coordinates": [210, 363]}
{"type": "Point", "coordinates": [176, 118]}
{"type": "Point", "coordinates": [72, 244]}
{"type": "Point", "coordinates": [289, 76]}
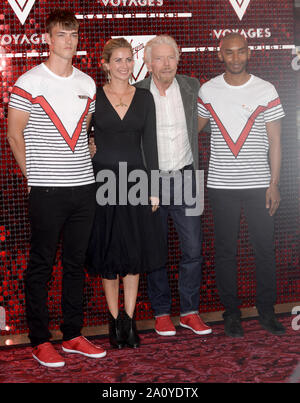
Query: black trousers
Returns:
{"type": "Point", "coordinates": [56, 211]}
{"type": "Point", "coordinates": [226, 206]}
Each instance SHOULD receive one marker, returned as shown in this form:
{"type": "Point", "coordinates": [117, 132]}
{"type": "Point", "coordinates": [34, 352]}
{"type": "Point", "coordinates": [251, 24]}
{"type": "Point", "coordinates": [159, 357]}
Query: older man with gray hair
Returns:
{"type": "Point", "coordinates": [175, 99]}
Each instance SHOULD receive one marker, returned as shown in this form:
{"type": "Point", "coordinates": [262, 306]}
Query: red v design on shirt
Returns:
{"type": "Point", "coordinates": [235, 147]}
{"type": "Point", "coordinates": [71, 141]}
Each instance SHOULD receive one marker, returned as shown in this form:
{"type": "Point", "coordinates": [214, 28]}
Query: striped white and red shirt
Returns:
{"type": "Point", "coordinates": [239, 139]}
{"type": "Point", "coordinates": [56, 142]}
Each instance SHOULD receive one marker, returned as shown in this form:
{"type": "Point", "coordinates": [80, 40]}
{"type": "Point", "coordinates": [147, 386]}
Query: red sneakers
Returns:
{"type": "Point", "coordinates": [194, 322]}
{"type": "Point", "coordinates": [46, 355]}
{"type": "Point", "coordinates": [164, 326]}
{"type": "Point", "coordinates": [80, 345]}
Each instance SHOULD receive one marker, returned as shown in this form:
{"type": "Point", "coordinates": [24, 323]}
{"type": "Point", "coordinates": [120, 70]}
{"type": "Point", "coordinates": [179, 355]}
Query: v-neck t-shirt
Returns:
{"type": "Point", "coordinates": [56, 142]}
{"type": "Point", "coordinates": [239, 138]}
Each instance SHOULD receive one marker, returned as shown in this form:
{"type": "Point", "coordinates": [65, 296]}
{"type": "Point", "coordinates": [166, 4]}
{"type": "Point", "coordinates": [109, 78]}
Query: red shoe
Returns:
{"type": "Point", "coordinates": [194, 322]}
{"type": "Point", "coordinates": [164, 326]}
{"type": "Point", "coordinates": [46, 355]}
{"type": "Point", "coordinates": [80, 345]}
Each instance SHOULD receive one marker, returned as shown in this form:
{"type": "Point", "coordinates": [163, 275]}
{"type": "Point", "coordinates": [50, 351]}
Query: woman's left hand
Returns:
{"type": "Point", "coordinates": [154, 203]}
{"type": "Point", "coordinates": [92, 147]}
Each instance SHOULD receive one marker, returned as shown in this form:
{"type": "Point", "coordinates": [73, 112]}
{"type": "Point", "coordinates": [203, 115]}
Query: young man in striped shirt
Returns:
{"type": "Point", "coordinates": [245, 116]}
{"type": "Point", "coordinates": [49, 111]}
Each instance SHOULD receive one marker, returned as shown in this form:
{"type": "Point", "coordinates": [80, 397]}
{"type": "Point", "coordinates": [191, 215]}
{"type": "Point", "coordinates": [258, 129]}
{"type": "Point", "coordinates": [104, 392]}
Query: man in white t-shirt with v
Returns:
{"type": "Point", "coordinates": [245, 116]}
{"type": "Point", "coordinates": [49, 111]}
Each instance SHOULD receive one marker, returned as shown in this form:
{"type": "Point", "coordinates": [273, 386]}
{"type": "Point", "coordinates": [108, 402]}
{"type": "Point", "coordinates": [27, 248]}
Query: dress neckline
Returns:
{"type": "Point", "coordinates": [115, 111]}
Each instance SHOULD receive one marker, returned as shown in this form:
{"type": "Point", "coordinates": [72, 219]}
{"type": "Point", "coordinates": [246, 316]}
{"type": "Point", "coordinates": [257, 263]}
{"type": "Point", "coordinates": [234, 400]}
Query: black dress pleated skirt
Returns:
{"type": "Point", "coordinates": [125, 239]}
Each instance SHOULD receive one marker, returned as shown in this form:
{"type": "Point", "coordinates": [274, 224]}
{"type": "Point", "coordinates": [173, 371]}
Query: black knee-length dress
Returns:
{"type": "Point", "coordinates": [126, 238]}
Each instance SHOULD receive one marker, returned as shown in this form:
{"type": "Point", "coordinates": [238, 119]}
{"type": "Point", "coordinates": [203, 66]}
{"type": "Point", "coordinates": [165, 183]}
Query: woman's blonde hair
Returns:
{"type": "Point", "coordinates": [110, 46]}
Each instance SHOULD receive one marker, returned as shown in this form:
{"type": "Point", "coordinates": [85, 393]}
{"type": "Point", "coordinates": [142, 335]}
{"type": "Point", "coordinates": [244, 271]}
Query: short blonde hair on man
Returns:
{"type": "Point", "coordinates": [160, 40]}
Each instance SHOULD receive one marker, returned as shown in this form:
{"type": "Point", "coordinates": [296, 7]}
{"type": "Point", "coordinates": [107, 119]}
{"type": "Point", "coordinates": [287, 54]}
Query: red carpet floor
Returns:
{"type": "Point", "coordinates": [257, 358]}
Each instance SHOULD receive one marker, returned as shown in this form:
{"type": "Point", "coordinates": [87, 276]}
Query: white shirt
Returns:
{"type": "Point", "coordinates": [174, 150]}
{"type": "Point", "coordinates": [239, 139]}
{"type": "Point", "coordinates": [56, 142]}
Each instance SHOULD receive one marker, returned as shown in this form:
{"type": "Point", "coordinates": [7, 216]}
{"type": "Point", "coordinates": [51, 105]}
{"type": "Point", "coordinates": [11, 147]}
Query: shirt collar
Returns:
{"type": "Point", "coordinates": [155, 90]}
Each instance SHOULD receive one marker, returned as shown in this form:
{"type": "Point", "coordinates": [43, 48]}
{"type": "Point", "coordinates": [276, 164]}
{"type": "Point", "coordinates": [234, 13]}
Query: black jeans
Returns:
{"type": "Point", "coordinates": [54, 211]}
{"type": "Point", "coordinates": [226, 205]}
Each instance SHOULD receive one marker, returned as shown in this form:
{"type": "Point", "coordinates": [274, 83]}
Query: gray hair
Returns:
{"type": "Point", "coordinates": [160, 40]}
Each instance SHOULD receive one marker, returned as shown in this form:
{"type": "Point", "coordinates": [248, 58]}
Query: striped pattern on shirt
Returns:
{"type": "Point", "coordinates": [239, 139]}
{"type": "Point", "coordinates": [56, 143]}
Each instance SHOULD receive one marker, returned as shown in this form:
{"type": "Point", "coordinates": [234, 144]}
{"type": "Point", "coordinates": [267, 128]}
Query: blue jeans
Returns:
{"type": "Point", "coordinates": [190, 237]}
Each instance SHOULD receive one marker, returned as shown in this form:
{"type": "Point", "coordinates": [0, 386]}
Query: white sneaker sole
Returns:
{"type": "Point", "coordinates": [167, 333]}
{"type": "Point", "coordinates": [100, 355]}
{"type": "Point", "coordinates": [50, 364]}
{"type": "Point", "coordinates": [200, 332]}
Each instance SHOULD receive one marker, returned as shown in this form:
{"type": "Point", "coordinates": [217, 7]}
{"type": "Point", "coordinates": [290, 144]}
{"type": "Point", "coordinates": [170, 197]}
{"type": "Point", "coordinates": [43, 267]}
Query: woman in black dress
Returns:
{"type": "Point", "coordinates": [126, 239]}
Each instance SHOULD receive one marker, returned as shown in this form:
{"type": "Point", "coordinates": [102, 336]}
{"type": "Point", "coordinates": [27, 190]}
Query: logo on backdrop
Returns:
{"type": "Point", "coordinates": [22, 8]}
{"type": "Point", "coordinates": [247, 33]}
{"type": "Point", "coordinates": [130, 3]}
{"type": "Point", "coordinates": [138, 43]}
{"type": "Point", "coordinates": [240, 7]}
